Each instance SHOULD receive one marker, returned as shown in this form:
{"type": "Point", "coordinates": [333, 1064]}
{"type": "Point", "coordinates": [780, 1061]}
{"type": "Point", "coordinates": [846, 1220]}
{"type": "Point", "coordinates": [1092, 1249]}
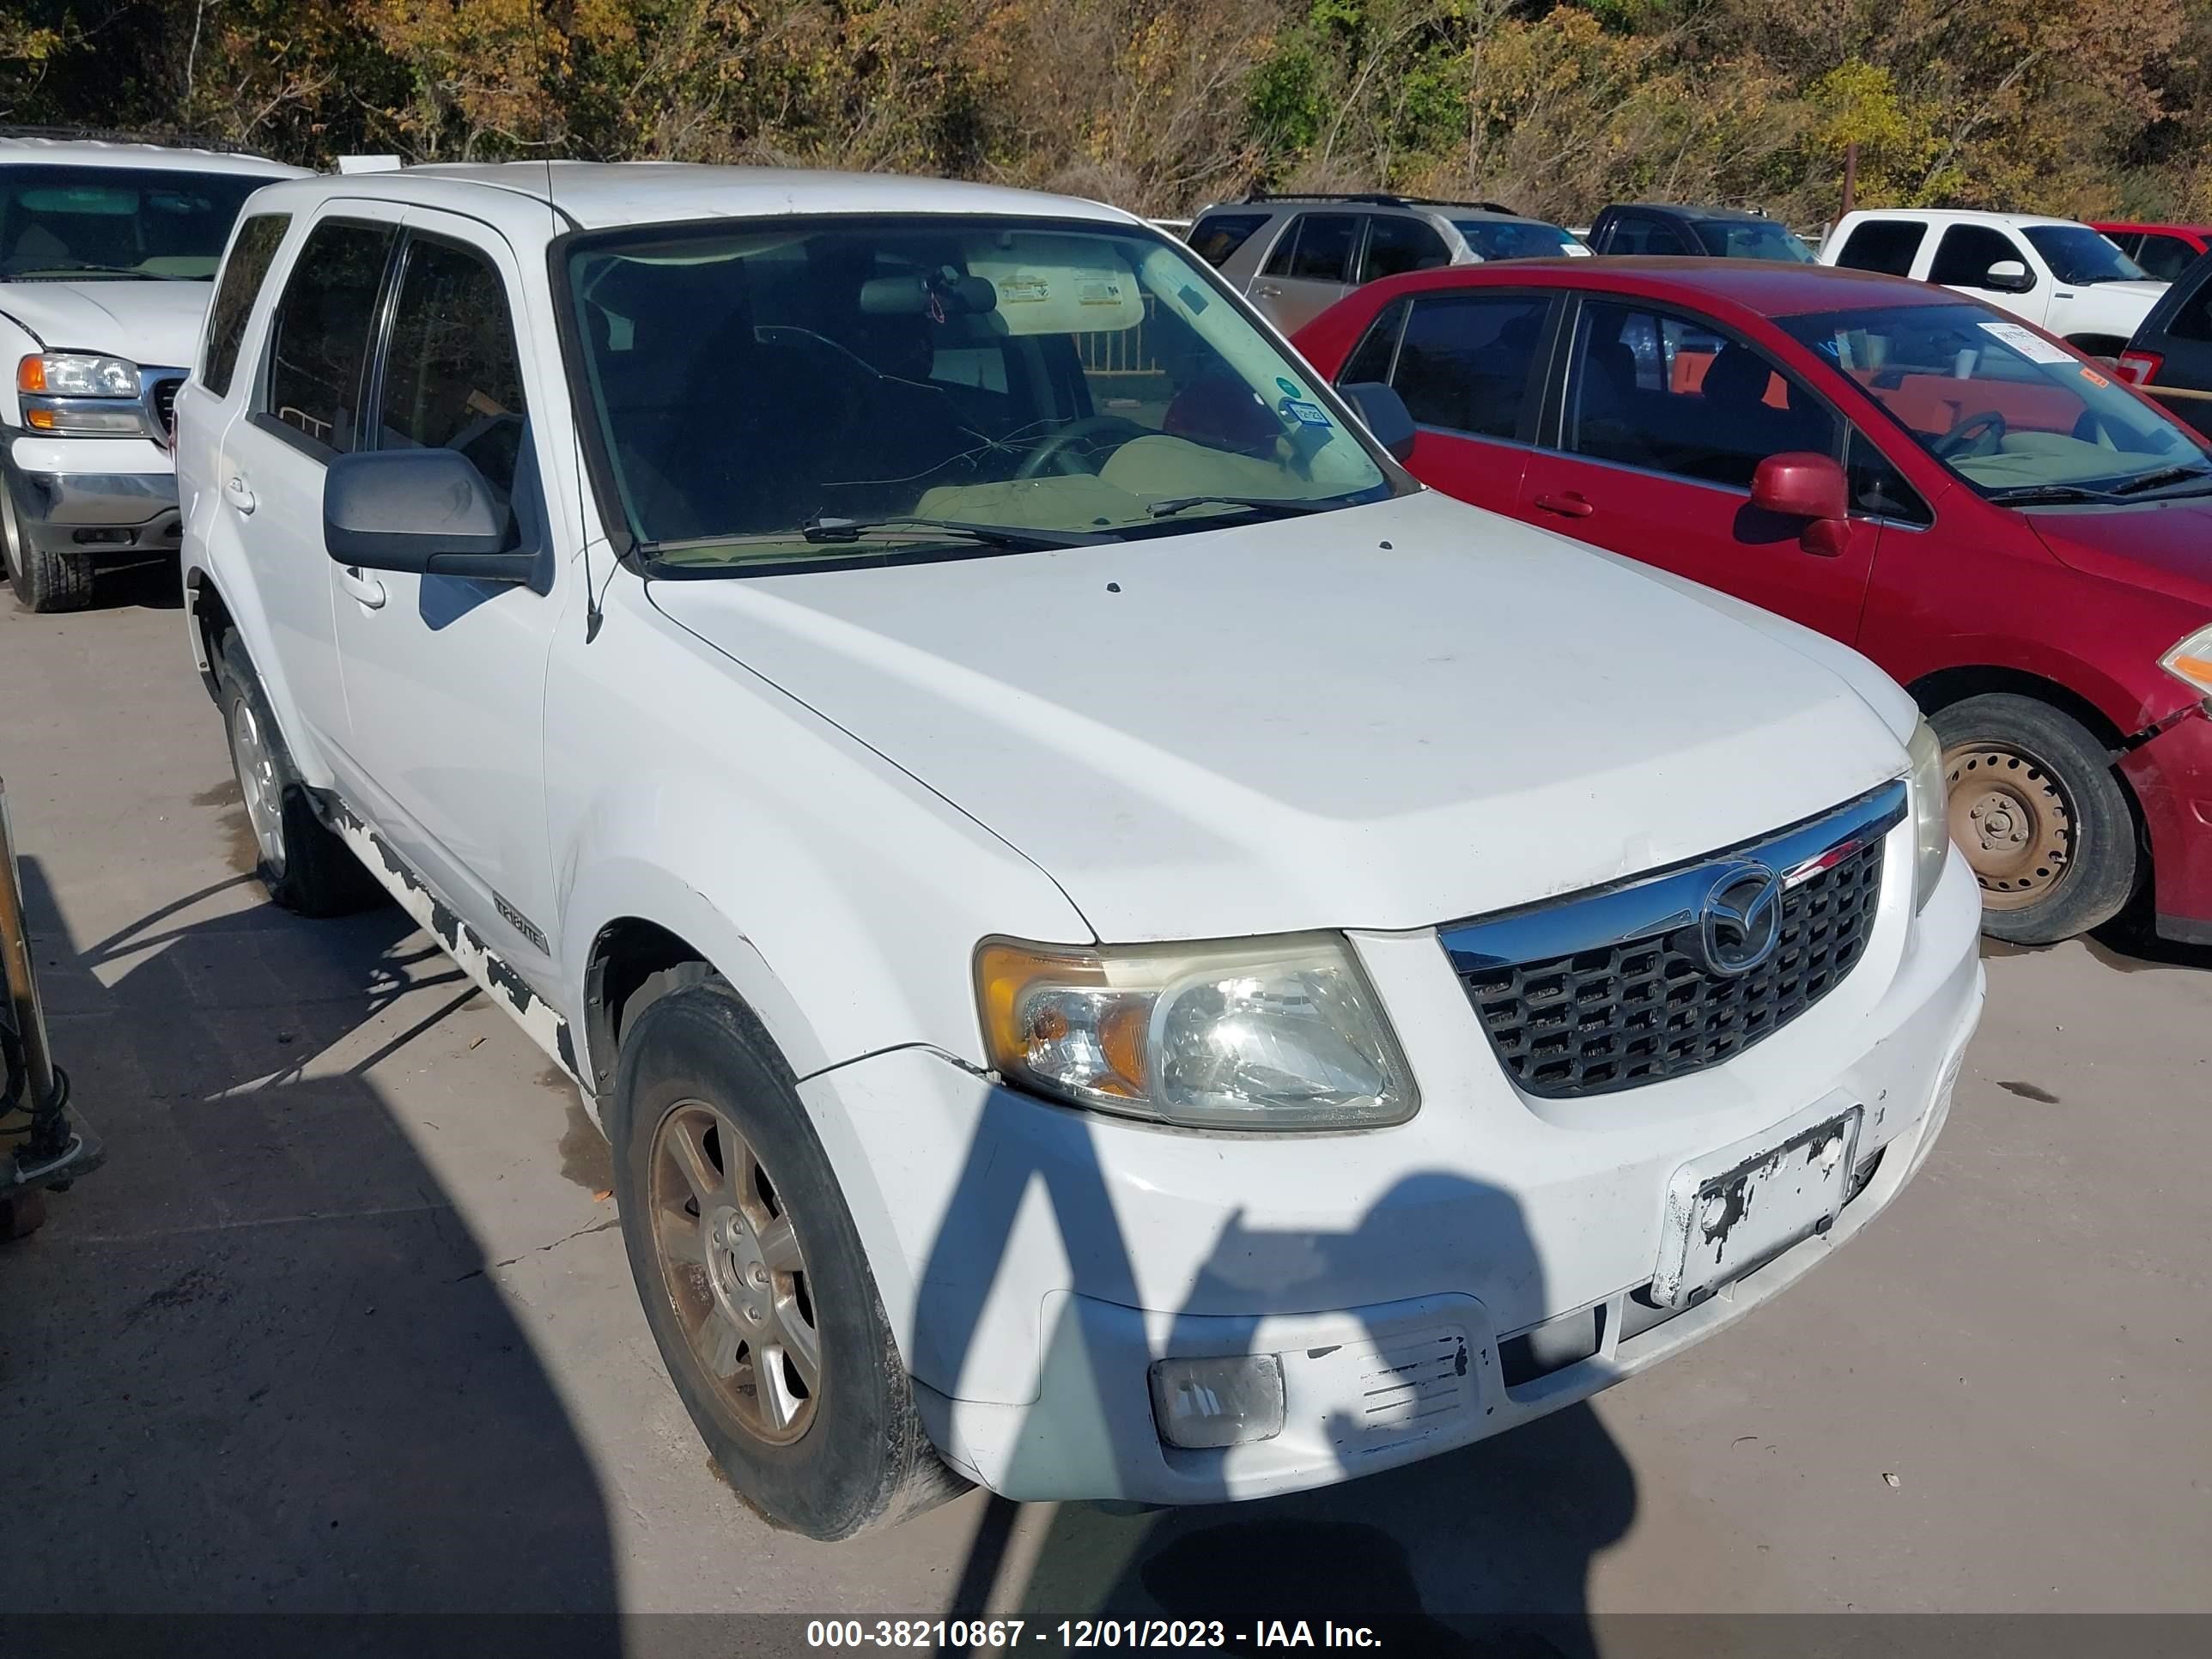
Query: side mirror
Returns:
{"type": "Point", "coordinates": [1800, 484]}
{"type": "Point", "coordinates": [2009, 276]}
{"type": "Point", "coordinates": [426, 511]}
{"type": "Point", "coordinates": [1383, 413]}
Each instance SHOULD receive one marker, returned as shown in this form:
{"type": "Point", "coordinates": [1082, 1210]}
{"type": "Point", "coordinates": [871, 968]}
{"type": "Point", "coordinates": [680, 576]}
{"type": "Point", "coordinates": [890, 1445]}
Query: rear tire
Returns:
{"type": "Point", "coordinates": [752, 1275]}
{"type": "Point", "coordinates": [304, 866]}
{"type": "Point", "coordinates": [2041, 815]}
{"type": "Point", "coordinates": [43, 582]}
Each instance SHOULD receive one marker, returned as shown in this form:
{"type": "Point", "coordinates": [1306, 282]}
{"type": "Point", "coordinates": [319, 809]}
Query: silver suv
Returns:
{"type": "Point", "coordinates": [1295, 256]}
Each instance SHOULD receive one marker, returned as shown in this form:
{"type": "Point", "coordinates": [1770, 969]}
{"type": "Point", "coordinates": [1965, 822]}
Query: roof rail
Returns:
{"type": "Point", "coordinates": [1377, 198]}
{"type": "Point", "coordinates": [122, 136]}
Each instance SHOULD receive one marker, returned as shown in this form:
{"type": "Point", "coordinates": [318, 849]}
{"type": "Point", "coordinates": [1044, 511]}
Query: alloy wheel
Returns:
{"type": "Point", "coordinates": [259, 783]}
{"type": "Point", "coordinates": [730, 1260]}
{"type": "Point", "coordinates": [2011, 818]}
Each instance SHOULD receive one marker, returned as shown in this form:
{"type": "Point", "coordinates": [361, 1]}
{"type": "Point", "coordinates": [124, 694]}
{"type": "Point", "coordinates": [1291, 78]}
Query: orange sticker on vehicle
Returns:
{"type": "Point", "coordinates": [2092, 377]}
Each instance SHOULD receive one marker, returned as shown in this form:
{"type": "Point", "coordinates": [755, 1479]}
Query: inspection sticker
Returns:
{"type": "Point", "coordinates": [2027, 342]}
{"type": "Point", "coordinates": [1305, 414]}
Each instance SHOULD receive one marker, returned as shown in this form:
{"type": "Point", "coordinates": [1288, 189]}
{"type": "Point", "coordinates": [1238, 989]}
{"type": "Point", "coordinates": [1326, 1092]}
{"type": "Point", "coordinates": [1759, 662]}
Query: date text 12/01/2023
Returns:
{"type": "Point", "coordinates": [1007, 1635]}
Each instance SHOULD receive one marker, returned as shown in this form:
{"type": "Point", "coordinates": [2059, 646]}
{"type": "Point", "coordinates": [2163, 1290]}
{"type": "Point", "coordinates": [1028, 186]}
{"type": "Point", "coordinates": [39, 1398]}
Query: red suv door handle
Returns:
{"type": "Point", "coordinates": [1569, 506]}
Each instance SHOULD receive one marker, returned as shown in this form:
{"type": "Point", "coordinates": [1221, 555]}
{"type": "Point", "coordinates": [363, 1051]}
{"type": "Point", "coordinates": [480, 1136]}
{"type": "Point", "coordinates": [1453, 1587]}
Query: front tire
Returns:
{"type": "Point", "coordinates": [304, 866]}
{"type": "Point", "coordinates": [2039, 812]}
{"type": "Point", "coordinates": [752, 1275]}
{"type": "Point", "coordinates": [43, 582]}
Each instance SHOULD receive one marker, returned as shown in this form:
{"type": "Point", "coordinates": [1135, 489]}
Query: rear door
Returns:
{"type": "Point", "coordinates": [302, 411]}
{"type": "Point", "coordinates": [445, 676]}
{"type": "Point", "coordinates": [1398, 243]}
{"type": "Point", "coordinates": [1470, 364]}
{"type": "Point", "coordinates": [1310, 268]}
{"type": "Point", "coordinates": [1652, 432]}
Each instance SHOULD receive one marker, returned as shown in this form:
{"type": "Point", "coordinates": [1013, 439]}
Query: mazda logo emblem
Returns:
{"type": "Point", "coordinates": [1739, 925]}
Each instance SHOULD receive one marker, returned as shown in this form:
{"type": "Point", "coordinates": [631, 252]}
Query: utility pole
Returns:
{"type": "Point", "coordinates": [1851, 175]}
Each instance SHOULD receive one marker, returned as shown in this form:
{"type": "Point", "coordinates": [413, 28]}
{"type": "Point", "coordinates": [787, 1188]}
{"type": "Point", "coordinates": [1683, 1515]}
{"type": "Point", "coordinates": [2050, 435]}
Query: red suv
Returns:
{"type": "Point", "coordinates": [2014, 534]}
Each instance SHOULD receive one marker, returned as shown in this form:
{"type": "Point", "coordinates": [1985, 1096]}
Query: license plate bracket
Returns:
{"type": "Point", "coordinates": [1737, 1209]}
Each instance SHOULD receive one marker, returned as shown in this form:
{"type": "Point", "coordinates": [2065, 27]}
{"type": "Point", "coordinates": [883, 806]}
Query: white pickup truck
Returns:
{"type": "Point", "coordinates": [107, 257]}
{"type": "Point", "coordinates": [1124, 948]}
{"type": "Point", "coordinates": [2065, 278]}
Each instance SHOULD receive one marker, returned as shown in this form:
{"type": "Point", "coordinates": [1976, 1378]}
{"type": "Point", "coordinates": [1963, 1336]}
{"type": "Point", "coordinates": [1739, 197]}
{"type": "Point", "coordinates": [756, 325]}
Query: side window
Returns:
{"type": "Point", "coordinates": [1219, 236]}
{"type": "Point", "coordinates": [1879, 490]}
{"type": "Point", "coordinates": [1378, 350]}
{"type": "Point", "coordinates": [1649, 390]}
{"type": "Point", "coordinates": [1887, 245]}
{"type": "Point", "coordinates": [451, 377]}
{"type": "Point", "coordinates": [1395, 246]}
{"type": "Point", "coordinates": [1318, 248]}
{"type": "Point", "coordinates": [2192, 318]}
{"type": "Point", "coordinates": [243, 273]}
{"type": "Point", "coordinates": [2129, 242]}
{"type": "Point", "coordinates": [1965, 255]}
{"type": "Point", "coordinates": [319, 338]}
{"type": "Point", "coordinates": [2163, 257]}
{"type": "Point", "coordinates": [1467, 360]}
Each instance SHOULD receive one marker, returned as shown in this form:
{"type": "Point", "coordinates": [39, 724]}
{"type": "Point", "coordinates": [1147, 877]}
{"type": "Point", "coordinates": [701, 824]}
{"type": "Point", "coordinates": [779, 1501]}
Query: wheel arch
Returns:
{"type": "Point", "coordinates": [1946, 686]}
{"type": "Point", "coordinates": [207, 615]}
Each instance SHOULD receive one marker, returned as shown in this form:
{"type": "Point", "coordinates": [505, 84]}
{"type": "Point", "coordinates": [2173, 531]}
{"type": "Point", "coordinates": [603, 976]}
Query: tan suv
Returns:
{"type": "Point", "coordinates": [1295, 256]}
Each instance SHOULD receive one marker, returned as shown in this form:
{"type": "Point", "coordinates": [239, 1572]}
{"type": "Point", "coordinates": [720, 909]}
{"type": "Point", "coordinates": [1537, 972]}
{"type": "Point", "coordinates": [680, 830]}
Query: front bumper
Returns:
{"type": "Point", "coordinates": [102, 498]}
{"type": "Point", "coordinates": [2171, 776]}
{"type": "Point", "coordinates": [1034, 1262]}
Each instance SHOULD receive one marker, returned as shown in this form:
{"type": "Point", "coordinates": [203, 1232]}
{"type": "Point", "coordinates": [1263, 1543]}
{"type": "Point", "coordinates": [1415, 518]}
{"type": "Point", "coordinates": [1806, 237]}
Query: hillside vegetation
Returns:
{"type": "Point", "coordinates": [2079, 107]}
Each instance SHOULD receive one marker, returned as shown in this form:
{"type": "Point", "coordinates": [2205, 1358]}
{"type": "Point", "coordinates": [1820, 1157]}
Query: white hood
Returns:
{"type": "Point", "coordinates": [1385, 717]}
{"type": "Point", "coordinates": [2114, 308]}
{"type": "Point", "coordinates": [156, 324]}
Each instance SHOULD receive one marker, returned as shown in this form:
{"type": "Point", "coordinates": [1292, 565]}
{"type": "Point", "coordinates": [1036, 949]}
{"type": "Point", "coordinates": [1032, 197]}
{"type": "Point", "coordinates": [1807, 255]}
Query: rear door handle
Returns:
{"type": "Point", "coordinates": [367, 589]}
{"type": "Point", "coordinates": [235, 492]}
{"type": "Point", "coordinates": [1569, 506]}
{"type": "Point", "coordinates": [1267, 290]}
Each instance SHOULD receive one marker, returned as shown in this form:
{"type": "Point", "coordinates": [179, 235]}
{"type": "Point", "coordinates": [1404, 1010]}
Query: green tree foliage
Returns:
{"type": "Point", "coordinates": [2077, 107]}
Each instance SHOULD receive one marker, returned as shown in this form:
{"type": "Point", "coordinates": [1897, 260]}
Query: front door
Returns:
{"type": "Point", "coordinates": [1963, 261]}
{"type": "Point", "coordinates": [1662, 418]}
{"type": "Point", "coordinates": [445, 676]}
{"type": "Point", "coordinates": [1309, 270]}
{"type": "Point", "coordinates": [1469, 366]}
{"type": "Point", "coordinates": [303, 411]}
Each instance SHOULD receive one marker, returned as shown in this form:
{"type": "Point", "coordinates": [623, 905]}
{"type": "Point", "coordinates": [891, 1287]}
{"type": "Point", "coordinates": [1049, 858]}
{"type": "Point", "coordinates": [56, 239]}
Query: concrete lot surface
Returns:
{"type": "Point", "coordinates": [345, 1322]}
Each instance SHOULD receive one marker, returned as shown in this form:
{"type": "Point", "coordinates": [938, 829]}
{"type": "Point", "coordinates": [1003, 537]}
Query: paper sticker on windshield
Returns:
{"type": "Point", "coordinates": [1305, 414]}
{"type": "Point", "coordinates": [2027, 342]}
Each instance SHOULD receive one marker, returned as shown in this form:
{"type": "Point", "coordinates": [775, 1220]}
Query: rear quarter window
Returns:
{"type": "Point", "coordinates": [2192, 317]}
{"type": "Point", "coordinates": [1218, 236]}
{"type": "Point", "coordinates": [243, 273]}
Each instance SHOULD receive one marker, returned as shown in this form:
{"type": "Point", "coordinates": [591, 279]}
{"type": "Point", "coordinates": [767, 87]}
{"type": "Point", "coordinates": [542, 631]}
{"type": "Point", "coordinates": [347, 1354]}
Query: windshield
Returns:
{"type": "Point", "coordinates": [2076, 254]}
{"type": "Point", "coordinates": [2000, 406]}
{"type": "Point", "coordinates": [1753, 239]}
{"type": "Point", "coordinates": [61, 223]}
{"type": "Point", "coordinates": [1064, 379]}
{"type": "Point", "coordinates": [1510, 238]}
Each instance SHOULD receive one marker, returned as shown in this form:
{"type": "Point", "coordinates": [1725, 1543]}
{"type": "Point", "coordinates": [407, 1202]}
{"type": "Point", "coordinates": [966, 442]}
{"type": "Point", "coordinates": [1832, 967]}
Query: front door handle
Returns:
{"type": "Point", "coordinates": [367, 589]}
{"type": "Point", "coordinates": [235, 492]}
{"type": "Point", "coordinates": [1266, 291]}
{"type": "Point", "coordinates": [1569, 506]}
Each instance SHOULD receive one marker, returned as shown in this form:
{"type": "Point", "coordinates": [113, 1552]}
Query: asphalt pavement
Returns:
{"type": "Point", "coordinates": [345, 1325]}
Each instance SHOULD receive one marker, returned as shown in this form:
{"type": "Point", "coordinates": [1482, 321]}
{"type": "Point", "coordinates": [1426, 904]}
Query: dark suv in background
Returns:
{"type": "Point", "coordinates": [1295, 256]}
{"type": "Point", "coordinates": [2170, 356]}
{"type": "Point", "coordinates": [1695, 232]}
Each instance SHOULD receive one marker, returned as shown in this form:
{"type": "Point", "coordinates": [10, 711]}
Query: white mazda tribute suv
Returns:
{"type": "Point", "coordinates": [108, 255]}
{"type": "Point", "coordinates": [1125, 949]}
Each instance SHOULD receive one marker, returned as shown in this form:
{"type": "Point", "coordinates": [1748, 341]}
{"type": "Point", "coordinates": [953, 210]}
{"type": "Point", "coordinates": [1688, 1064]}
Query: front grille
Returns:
{"type": "Point", "coordinates": [164, 395]}
{"type": "Point", "coordinates": [1641, 1010]}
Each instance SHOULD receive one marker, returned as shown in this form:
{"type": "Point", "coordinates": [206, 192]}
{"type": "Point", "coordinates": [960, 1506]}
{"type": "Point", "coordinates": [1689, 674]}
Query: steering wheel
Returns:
{"type": "Point", "coordinates": [1052, 455]}
{"type": "Point", "coordinates": [1977, 434]}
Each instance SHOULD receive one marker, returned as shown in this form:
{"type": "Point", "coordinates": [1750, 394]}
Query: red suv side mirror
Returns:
{"type": "Point", "coordinates": [1800, 484]}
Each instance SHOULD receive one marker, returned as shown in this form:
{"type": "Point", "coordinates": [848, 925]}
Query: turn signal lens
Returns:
{"type": "Point", "coordinates": [31, 374]}
{"type": "Point", "coordinates": [2190, 662]}
{"type": "Point", "coordinates": [1245, 1034]}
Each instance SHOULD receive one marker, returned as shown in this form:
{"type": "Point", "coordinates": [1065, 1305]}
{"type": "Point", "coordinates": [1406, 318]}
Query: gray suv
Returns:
{"type": "Point", "coordinates": [1295, 256]}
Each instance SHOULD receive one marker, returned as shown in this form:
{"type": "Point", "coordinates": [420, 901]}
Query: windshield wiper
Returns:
{"type": "Point", "coordinates": [825, 529]}
{"type": "Point", "coordinates": [58, 273]}
{"type": "Point", "coordinates": [2164, 476]}
{"type": "Point", "coordinates": [2042, 494]}
{"type": "Point", "coordinates": [1272, 506]}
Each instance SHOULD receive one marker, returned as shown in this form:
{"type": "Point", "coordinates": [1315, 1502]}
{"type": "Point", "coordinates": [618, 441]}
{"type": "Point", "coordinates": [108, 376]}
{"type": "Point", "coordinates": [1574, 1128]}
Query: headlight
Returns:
{"type": "Point", "coordinates": [1249, 1034]}
{"type": "Point", "coordinates": [2190, 662]}
{"type": "Point", "coordinates": [77, 394]}
{"type": "Point", "coordinates": [78, 374]}
{"type": "Point", "coordinates": [1931, 813]}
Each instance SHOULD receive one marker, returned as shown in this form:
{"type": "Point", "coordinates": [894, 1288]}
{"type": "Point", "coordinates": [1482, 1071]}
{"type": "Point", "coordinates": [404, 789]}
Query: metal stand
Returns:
{"type": "Point", "coordinates": [41, 1146]}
